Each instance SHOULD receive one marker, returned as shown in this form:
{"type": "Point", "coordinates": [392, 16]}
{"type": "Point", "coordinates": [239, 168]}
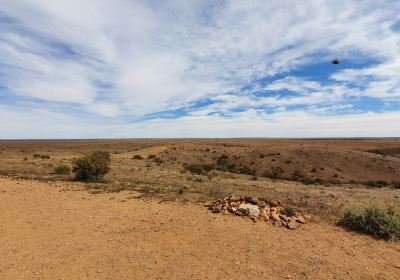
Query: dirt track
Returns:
{"type": "Point", "coordinates": [59, 231]}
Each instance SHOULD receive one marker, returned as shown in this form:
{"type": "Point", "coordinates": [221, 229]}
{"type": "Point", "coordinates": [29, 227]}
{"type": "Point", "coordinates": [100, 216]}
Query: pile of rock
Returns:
{"type": "Point", "coordinates": [258, 209]}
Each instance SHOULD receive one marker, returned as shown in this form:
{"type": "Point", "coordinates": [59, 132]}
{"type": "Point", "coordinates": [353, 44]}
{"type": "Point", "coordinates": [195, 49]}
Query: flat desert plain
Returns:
{"type": "Point", "coordinates": [146, 219]}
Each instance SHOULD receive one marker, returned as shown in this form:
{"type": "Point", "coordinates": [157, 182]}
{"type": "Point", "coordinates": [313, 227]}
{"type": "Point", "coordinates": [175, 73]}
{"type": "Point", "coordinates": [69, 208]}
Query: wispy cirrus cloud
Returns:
{"type": "Point", "coordinates": [131, 62]}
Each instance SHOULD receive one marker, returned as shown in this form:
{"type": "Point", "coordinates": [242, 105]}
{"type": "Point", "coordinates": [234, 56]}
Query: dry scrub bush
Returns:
{"type": "Point", "coordinates": [92, 167]}
{"type": "Point", "coordinates": [373, 220]}
{"type": "Point", "coordinates": [198, 168]}
{"type": "Point", "coordinates": [62, 169]}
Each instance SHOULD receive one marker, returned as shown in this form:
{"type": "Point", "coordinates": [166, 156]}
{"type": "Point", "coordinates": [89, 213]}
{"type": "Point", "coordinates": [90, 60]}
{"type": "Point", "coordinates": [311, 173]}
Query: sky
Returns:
{"type": "Point", "coordinates": [199, 68]}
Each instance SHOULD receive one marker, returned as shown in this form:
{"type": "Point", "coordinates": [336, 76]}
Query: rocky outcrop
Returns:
{"type": "Point", "coordinates": [259, 210]}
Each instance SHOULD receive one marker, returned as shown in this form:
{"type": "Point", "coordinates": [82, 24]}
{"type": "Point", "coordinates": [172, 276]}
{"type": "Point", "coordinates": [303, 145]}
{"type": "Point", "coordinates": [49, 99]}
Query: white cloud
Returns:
{"type": "Point", "coordinates": [125, 58]}
{"type": "Point", "coordinates": [246, 124]}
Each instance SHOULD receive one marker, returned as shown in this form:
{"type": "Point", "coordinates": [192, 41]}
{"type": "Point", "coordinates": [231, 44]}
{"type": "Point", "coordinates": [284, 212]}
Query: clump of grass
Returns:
{"type": "Point", "coordinates": [373, 220]}
{"type": "Point", "coordinates": [62, 169]}
{"type": "Point", "coordinates": [289, 211]}
{"type": "Point", "coordinates": [92, 167]}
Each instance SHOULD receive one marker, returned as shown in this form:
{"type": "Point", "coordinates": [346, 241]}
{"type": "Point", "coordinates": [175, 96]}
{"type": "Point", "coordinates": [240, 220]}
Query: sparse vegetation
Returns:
{"type": "Point", "coordinates": [373, 220]}
{"type": "Point", "coordinates": [157, 160]}
{"type": "Point", "coordinates": [63, 169]}
{"type": "Point", "coordinates": [198, 168]}
{"type": "Point", "coordinates": [92, 167]}
{"type": "Point", "coordinates": [221, 168]}
{"type": "Point", "coordinates": [275, 173]}
{"type": "Point", "coordinates": [289, 211]}
{"type": "Point", "coordinates": [41, 156]}
{"type": "Point", "coordinates": [376, 184]}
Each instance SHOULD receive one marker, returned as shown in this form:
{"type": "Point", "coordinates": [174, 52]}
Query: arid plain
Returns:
{"type": "Point", "coordinates": [146, 219]}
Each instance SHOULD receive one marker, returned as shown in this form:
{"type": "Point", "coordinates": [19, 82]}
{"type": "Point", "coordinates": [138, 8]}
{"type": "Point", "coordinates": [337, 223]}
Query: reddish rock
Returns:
{"type": "Point", "coordinates": [274, 203]}
{"type": "Point", "coordinates": [300, 219]}
{"type": "Point", "coordinates": [264, 215]}
{"type": "Point", "coordinates": [275, 216]}
{"type": "Point", "coordinates": [292, 224]}
{"type": "Point", "coordinates": [251, 200]}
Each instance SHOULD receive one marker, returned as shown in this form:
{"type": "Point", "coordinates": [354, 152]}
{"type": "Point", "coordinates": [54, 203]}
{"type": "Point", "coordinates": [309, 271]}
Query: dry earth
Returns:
{"type": "Point", "coordinates": [58, 230]}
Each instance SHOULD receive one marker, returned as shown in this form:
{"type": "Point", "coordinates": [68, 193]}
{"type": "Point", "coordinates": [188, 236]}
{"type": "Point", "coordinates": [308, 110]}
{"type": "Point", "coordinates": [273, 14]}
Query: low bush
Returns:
{"type": "Point", "coordinates": [157, 160]}
{"type": "Point", "coordinates": [92, 167]}
{"type": "Point", "coordinates": [247, 171]}
{"type": "Point", "coordinates": [376, 184]}
{"type": "Point", "coordinates": [373, 220]}
{"type": "Point", "coordinates": [289, 211]}
{"type": "Point", "coordinates": [276, 172]}
{"type": "Point", "coordinates": [62, 169]}
{"type": "Point", "coordinates": [41, 156]}
{"type": "Point", "coordinates": [197, 168]}
{"type": "Point", "coordinates": [137, 157]}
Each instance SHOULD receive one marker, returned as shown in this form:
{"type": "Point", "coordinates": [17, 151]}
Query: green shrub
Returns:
{"type": "Point", "coordinates": [373, 220]}
{"type": "Point", "coordinates": [137, 157]}
{"type": "Point", "coordinates": [41, 156]}
{"type": "Point", "coordinates": [246, 170]}
{"type": "Point", "coordinates": [275, 173]}
{"type": "Point", "coordinates": [376, 184]}
{"type": "Point", "coordinates": [289, 211]}
{"type": "Point", "coordinates": [157, 160]}
{"type": "Point", "coordinates": [63, 169]}
{"type": "Point", "coordinates": [197, 168]}
{"type": "Point", "coordinates": [92, 167]}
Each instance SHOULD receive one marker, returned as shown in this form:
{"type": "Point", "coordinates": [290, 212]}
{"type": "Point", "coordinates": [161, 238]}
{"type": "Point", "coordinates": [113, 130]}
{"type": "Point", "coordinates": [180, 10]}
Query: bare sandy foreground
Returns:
{"type": "Point", "coordinates": [60, 231]}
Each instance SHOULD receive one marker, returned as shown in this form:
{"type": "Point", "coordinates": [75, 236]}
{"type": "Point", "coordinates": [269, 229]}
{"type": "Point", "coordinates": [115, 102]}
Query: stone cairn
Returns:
{"type": "Point", "coordinates": [259, 210]}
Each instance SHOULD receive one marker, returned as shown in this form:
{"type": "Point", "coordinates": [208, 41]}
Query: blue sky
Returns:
{"type": "Point", "coordinates": [125, 68]}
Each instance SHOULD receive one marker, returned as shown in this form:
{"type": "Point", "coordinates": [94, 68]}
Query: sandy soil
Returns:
{"type": "Point", "coordinates": [60, 231]}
